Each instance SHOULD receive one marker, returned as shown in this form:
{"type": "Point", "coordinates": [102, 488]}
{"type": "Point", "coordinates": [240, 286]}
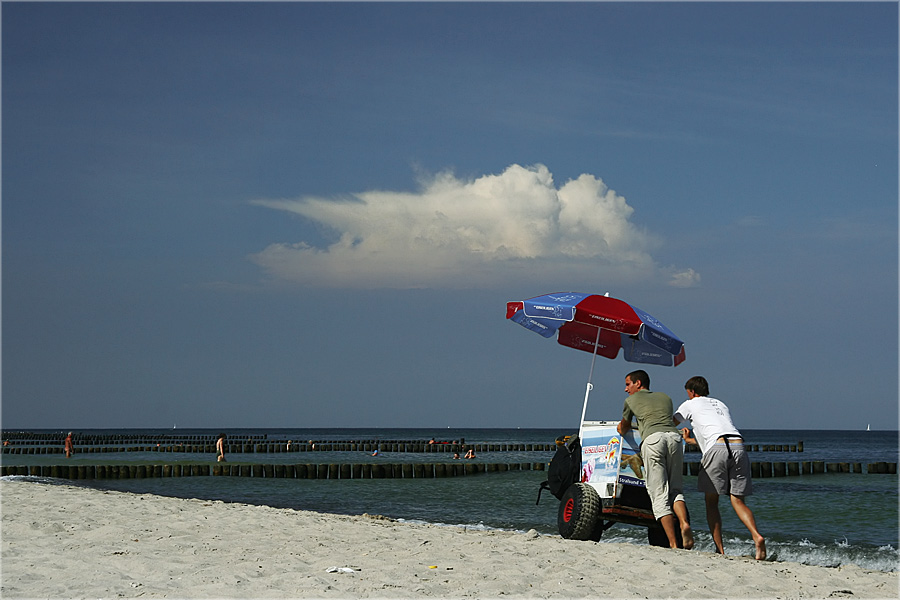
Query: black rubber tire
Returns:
{"type": "Point", "coordinates": [579, 511]}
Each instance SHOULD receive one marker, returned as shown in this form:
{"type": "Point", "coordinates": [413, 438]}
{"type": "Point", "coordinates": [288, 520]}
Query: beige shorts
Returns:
{"type": "Point", "coordinates": [663, 459]}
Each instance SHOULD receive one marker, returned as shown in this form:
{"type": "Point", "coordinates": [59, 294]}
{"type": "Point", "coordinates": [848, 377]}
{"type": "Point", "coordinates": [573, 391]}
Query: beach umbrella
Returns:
{"type": "Point", "coordinates": [600, 325]}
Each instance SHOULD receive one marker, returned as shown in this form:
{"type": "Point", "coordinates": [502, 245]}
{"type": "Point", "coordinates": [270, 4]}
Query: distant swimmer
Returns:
{"type": "Point", "coordinates": [220, 448]}
{"type": "Point", "coordinates": [470, 453]}
{"type": "Point", "coordinates": [70, 446]}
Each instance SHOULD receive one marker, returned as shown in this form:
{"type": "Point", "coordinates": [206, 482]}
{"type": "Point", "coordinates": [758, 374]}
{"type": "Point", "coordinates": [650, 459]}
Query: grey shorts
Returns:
{"type": "Point", "coordinates": [723, 474]}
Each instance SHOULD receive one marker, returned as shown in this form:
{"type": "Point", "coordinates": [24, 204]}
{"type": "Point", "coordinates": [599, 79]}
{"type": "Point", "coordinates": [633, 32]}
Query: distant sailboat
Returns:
{"type": "Point", "coordinates": [868, 428]}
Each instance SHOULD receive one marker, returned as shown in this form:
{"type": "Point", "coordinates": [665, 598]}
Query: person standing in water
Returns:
{"type": "Point", "coordinates": [724, 466]}
{"type": "Point", "coordinates": [220, 448]}
{"type": "Point", "coordinates": [661, 452]}
{"type": "Point", "coordinates": [70, 445]}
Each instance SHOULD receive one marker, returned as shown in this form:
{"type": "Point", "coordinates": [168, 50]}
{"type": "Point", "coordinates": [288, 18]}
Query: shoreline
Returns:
{"type": "Point", "coordinates": [61, 541]}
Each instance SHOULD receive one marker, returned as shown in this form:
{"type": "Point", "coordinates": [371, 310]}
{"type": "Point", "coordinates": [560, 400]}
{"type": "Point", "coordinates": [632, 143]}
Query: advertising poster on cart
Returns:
{"type": "Point", "coordinates": [610, 459]}
{"type": "Point", "coordinates": [600, 450]}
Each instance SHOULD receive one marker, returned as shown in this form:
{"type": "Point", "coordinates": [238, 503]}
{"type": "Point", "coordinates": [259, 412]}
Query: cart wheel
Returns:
{"type": "Point", "coordinates": [579, 511]}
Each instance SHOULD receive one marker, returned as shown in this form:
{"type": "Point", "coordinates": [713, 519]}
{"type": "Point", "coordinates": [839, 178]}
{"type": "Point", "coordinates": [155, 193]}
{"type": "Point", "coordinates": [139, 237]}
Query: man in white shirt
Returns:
{"type": "Point", "coordinates": [725, 466]}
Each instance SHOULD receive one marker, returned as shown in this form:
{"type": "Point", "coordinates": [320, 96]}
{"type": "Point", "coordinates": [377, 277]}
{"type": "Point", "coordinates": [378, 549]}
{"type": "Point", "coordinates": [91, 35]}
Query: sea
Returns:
{"type": "Point", "coordinates": [829, 519]}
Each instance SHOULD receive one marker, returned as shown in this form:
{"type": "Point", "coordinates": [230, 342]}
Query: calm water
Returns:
{"type": "Point", "coordinates": [828, 520]}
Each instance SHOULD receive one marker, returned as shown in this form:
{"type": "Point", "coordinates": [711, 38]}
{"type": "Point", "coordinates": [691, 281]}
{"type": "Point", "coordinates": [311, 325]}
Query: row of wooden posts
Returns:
{"type": "Point", "coordinates": [798, 447]}
{"type": "Point", "coordinates": [388, 470]}
{"type": "Point", "coordinates": [29, 437]}
{"type": "Point", "coordinates": [814, 467]}
{"type": "Point", "coordinates": [24, 438]}
{"type": "Point", "coordinates": [370, 446]}
{"type": "Point", "coordinates": [281, 447]}
{"type": "Point", "coordinates": [299, 471]}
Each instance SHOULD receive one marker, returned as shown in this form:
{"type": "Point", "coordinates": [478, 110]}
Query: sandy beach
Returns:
{"type": "Point", "coordinates": [69, 542]}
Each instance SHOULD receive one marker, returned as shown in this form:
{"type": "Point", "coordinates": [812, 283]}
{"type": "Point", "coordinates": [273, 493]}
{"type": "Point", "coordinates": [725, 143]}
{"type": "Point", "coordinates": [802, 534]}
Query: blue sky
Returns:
{"type": "Point", "coordinates": [313, 215]}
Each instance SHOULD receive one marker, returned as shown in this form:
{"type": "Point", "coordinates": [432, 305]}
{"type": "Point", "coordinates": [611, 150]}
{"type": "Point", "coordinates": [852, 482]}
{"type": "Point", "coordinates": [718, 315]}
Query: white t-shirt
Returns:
{"type": "Point", "coordinates": [709, 418]}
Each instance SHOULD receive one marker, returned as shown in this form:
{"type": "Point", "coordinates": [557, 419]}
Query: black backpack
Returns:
{"type": "Point", "coordinates": [564, 467]}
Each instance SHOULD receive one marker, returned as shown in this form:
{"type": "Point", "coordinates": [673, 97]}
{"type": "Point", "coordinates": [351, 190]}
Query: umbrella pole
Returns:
{"type": "Point", "coordinates": [590, 386]}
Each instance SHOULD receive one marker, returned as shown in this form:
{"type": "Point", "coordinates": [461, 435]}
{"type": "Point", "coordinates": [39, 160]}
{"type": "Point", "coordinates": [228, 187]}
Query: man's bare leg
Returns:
{"type": "Point", "coordinates": [668, 525]}
{"type": "Point", "coordinates": [746, 516]}
{"type": "Point", "coordinates": [714, 519]}
{"type": "Point", "coordinates": [687, 535]}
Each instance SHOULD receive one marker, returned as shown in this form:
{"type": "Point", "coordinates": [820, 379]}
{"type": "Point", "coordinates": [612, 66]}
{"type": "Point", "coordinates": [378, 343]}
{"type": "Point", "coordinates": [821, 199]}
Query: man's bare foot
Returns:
{"type": "Point", "coordinates": [761, 548]}
{"type": "Point", "coordinates": [687, 537]}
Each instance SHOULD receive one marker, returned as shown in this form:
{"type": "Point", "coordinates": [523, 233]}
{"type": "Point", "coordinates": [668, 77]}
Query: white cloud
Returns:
{"type": "Point", "coordinates": [685, 279]}
{"type": "Point", "coordinates": [455, 233]}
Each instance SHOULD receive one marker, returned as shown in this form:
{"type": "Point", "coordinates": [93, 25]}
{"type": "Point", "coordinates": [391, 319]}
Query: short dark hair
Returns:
{"type": "Point", "coordinates": [698, 385]}
{"type": "Point", "coordinates": [641, 376]}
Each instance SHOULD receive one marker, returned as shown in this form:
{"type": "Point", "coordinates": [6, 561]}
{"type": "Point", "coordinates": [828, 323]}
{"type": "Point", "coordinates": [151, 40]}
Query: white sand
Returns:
{"type": "Point", "coordinates": [69, 542]}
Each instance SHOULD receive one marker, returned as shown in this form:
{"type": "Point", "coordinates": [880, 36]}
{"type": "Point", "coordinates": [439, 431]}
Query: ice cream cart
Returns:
{"type": "Point", "coordinates": [607, 485]}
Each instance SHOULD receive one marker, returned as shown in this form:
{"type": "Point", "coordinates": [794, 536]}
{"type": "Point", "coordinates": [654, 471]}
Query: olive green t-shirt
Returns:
{"type": "Point", "coordinates": [653, 411]}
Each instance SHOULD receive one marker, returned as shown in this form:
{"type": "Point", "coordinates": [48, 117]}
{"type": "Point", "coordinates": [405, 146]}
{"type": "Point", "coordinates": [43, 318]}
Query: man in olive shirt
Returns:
{"type": "Point", "coordinates": [661, 452]}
